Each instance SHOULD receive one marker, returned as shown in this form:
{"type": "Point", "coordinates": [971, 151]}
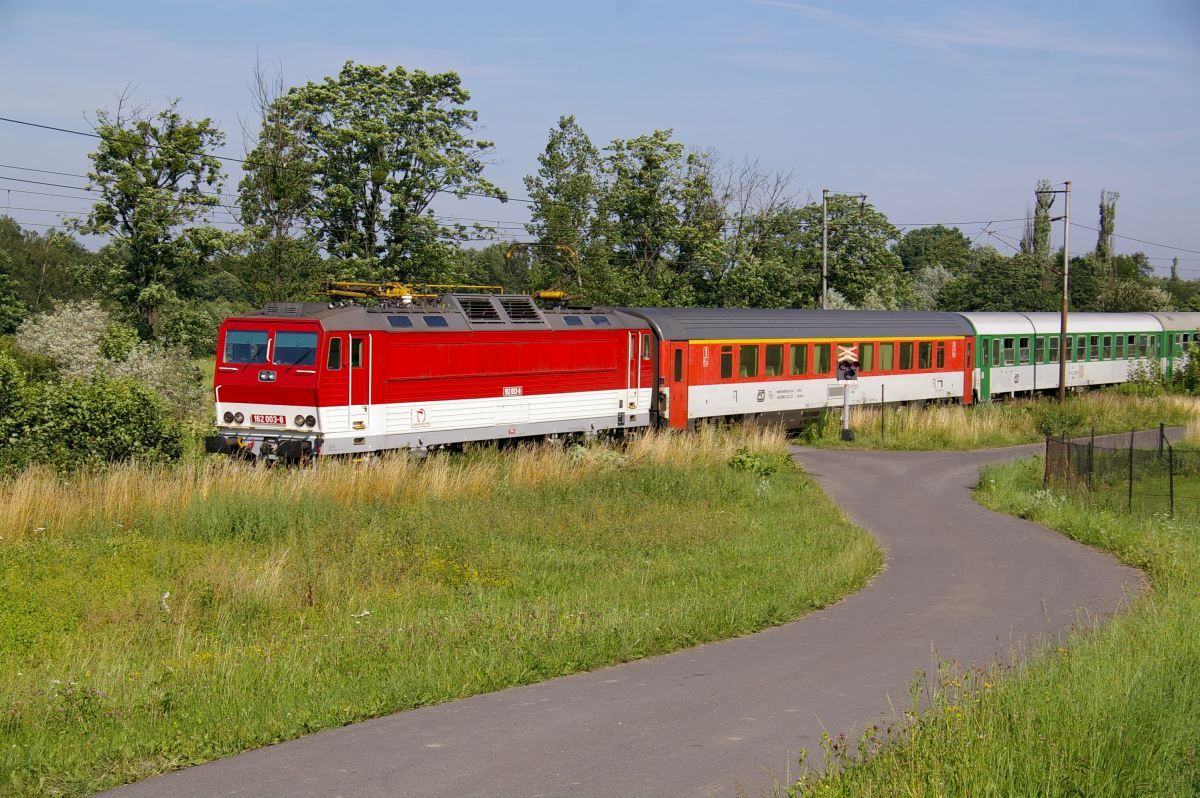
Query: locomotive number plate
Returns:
{"type": "Point", "coordinates": [267, 418]}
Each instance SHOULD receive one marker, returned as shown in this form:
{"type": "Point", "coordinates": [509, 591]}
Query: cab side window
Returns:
{"type": "Point", "coordinates": [334, 360]}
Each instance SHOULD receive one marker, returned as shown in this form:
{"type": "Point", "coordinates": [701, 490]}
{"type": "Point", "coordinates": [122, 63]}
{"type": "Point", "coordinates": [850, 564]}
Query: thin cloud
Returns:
{"type": "Point", "coordinates": [958, 35]}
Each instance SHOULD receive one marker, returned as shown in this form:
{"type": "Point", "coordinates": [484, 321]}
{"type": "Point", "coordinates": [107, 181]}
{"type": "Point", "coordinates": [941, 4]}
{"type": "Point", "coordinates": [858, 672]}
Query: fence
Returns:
{"type": "Point", "coordinates": [1141, 472]}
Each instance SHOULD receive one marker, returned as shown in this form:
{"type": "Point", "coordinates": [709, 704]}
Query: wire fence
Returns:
{"type": "Point", "coordinates": [1144, 474]}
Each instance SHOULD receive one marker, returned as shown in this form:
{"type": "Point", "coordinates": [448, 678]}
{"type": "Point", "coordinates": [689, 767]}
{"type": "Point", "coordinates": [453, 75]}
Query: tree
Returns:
{"type": "Point", "coordinates": [1035, 242]}
{"type": "Point", "coordinates": [565, 191]}
{"type": "Point", "coordinates": [1129, 296]}
{"type": "Point", "coordinates": [1108, 223]}
{"type": "Point", "coordinates": [996, 283]}
{"type": "Point", "coordinates": [44, 267]}
{"type": "Point", "coordinates": [934, 246]}
{"type": "Point", "coordinates": [860, 261]}
{"type": "Point", "coordinates": [12, 309]}
{"type": "Point", "coordinates": [380, 146]}
{"type": "Point", "coordinates": [639, 216]}
{"type": "Point", "coordinates": [279, 258]}
{"type": "Point", "coordinates": [156, 177]}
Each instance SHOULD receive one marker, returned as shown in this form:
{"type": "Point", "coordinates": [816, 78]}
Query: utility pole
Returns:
{"type": "Point", "coordinates": [1062, 336]}
{"type": "Point", "coordinates": [824, 249]}
{"type": "Point", "coordinates": [825, 195]}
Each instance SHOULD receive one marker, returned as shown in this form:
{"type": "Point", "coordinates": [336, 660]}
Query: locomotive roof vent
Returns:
{"type": "Point", "coordinates": [284, 308]}
{"type": "Point", "coordinates": [520, 309]}
{"type": "Point", "coordinates": [479, 309]}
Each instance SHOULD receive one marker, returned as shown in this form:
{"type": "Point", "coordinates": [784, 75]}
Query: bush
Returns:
{"type": "Point", "coordinates": [1187, 376]}
{"type": "Point", "coordinates": [1059, 419]}
{"type": "Point", "coordinates": [80, 339]}
{"type": "Point", "coordinates": [77, 423]}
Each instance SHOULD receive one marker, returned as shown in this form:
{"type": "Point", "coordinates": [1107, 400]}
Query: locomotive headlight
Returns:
{"type": "Point", "coordinates": [228, 417]}
{"type": "Point", "coordinates": [310, 421]}
{"type": "Point", "coordinates": [238, 418]}
{"type": "Point", "coordinates": [299, 420]}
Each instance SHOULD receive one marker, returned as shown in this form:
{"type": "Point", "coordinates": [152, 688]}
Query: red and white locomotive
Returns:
{"type": "Point", "coordinates": [297, 380]}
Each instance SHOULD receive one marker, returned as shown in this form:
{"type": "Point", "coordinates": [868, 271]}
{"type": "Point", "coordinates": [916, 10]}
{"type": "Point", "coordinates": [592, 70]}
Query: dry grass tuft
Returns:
{"type": "Point", "coordinates": [40, 503]}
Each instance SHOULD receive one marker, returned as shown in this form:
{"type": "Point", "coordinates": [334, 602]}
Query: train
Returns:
{"type": "Point", "coordinates": [299, 380]}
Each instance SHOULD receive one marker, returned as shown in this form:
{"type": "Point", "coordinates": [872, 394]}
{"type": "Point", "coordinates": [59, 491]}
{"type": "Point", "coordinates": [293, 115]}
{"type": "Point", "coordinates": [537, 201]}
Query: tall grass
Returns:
{"type": "Point", "coordinates": [151, 618]}
{"type": "Point", "coordinates": [1004, 423]}
{"type": "Point", "coordinates": [1114, 712]}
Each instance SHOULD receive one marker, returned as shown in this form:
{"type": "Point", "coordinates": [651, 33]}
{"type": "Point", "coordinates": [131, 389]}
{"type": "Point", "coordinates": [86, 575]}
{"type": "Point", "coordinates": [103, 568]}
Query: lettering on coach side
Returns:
{"type": "Point", "coordinates": [513, 390]}
{"type": "Point", "coordinates": [420, 418]}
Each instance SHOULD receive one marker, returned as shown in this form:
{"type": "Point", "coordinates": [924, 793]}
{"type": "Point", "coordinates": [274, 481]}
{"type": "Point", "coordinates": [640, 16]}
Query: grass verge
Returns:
{"type": "Point", "coordinates": [1115, 713]}
{"type": "Point", "coordinates": [1003, 423]}
{"type": "Point", "coordinates": [151, 619]}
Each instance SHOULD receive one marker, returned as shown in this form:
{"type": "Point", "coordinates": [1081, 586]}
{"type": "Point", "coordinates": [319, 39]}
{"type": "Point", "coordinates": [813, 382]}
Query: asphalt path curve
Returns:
{"type": "Point", "coordinates": [728, 718]}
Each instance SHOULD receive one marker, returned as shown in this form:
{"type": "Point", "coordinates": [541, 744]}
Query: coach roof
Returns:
{"type": "Point", "coordinates": [684, 324]}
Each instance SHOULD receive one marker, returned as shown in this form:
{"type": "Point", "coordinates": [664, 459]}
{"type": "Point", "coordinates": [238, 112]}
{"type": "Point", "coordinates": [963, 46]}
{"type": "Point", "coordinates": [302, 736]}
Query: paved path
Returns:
{"type": "Point", "coordinates": [960, 580]}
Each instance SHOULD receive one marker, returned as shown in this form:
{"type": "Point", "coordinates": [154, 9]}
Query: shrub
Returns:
{"type": "Point", "coordinates": [77, 423]}
{"type": "Point", "coordinates": [80, 340]}
{"type": "Point", "coordinates": [1059, 419]}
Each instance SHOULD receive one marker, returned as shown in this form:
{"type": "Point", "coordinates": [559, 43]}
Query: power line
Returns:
{"type": "Point", "coordinates": [1140, 240]}
{"type": "Point", "coordinates": [228, 158]}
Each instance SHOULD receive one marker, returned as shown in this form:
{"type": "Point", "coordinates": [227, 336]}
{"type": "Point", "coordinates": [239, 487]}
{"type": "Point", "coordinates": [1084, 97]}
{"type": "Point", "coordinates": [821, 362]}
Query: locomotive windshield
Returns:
{"type": "Point", "coordinates": [246, 346]}
{"type": "Point", "coordinates": [295, 348]}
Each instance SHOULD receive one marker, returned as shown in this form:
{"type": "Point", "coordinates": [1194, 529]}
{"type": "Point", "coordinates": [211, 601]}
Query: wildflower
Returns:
{"type": "Point", "coordinates": [163, 602]}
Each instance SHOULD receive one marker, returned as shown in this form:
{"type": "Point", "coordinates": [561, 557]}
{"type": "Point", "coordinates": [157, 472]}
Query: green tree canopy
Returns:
{"type": "Point", "coordinates": [934, 246]}
{"type": "Point", "coordinates": [156, 179]}
{"type": "Point", "coordinates": [377, 145]}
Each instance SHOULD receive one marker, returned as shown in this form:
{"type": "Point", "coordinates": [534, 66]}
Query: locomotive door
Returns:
{"type": "Point", "coordinates": [633, 373]}
{"type": "Point", "coordinates": [359, 399]}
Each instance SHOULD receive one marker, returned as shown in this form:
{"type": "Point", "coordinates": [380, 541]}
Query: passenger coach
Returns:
{"type": "Point", "coordinates": [780, 365]}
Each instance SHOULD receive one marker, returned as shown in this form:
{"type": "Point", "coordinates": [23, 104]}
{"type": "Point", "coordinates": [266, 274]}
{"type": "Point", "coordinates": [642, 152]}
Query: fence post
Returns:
{"type": "Point", "coordinates": [1091, 457]}
{"type": "Point", "coordinates": [1162, 436]}
{"type": "Point", "coordinates": [882, 414]}
{"type": "Point", "coordinates": [1131, 434]}
{"type": "Point", "coordinates": [1171, 472]}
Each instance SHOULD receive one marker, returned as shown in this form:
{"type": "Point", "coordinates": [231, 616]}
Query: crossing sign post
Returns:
{"type": "Point", "coordinates": [847, 372]}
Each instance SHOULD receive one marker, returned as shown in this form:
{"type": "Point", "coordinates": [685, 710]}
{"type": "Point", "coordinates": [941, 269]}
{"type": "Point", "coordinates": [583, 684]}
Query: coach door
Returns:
{"type": "Point", "coordinates": [678, 385]}
{"type": "Point", "coordinates": [633, 374]}
{"type": "Point", "coordinates": [359, 400]}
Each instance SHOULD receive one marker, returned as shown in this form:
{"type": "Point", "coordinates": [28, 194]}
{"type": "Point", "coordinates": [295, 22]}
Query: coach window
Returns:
{"type": "Point", "coordinates": [1081, 348]}
{"type": "Point", "coordinates": [799, 360]}
{"type": "Point", "coordinates": [1107, 355]}
{"type": "Point", "coordinates": [887, 357]}
{"type": "Point", "coordinates": [1131, 346]}
{"type": "Point", "coordinates": [726, 362]}
{"type": "Point", "coordinates": [1023, 350]}
{"type": "Point", "coordinates": [941, 355]}
{"type": "Point", "coordinates": [1052, 354]}
{"type": "Point", "coordinates": [645, 346]}
{"type": "Point", "coordinates": [1143, 345]}
{"type": "Point", "coordinates": [774, 365]}
{"type": "Point", "coordinates": [866, 357]}
{"type": "Point", "coordinates": [679, 364]}
{"type": "Point", "coordinates": [925, 355]}
{"type": "Point", "coordinates": [1039, 349]}
{"type": "Point", "coordinates": [1009, 347]}
{"type": "Point", "coordinates": [822, 362]}
{"type": "Point", "coordinates": [356, 353]}
{"type": "Point", "coordinates": [1094, 353]}
{"type": "Point", "coordinates": [748, 361]}
{"type": "Point", "coordinates": [246, 346]}
{"type": "Point", "coordinates": [1119, 347]}
{"type": "Point", "coordinates": [906, 356]}
{"type": "Point", "coordinates": [334, 361]}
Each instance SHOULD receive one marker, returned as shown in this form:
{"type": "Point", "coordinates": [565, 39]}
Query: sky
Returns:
{"type": "Point", "coordinates": [938, 111]}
